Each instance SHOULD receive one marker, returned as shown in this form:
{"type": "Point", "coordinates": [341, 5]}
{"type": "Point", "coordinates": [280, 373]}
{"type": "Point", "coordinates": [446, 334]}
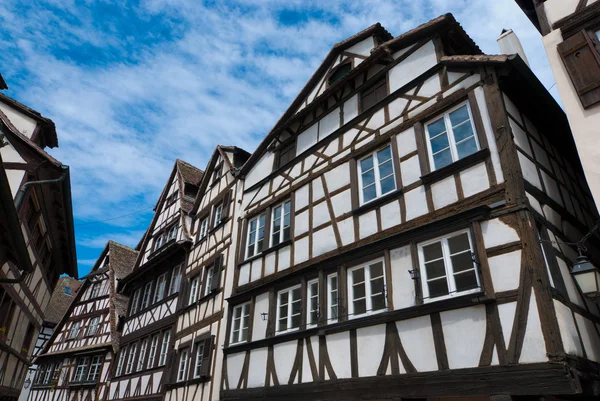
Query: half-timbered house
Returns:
{"type": "Point", "coordinates": [153, 289]}
{"type": "Point", "coordinates": [405, 230]}
{"type": "Point", "coordinates": [75, 363]}
{"type": "Point", "coordinates": [195, 368]}
{"type": "Point", "coordinates": [37, 242]}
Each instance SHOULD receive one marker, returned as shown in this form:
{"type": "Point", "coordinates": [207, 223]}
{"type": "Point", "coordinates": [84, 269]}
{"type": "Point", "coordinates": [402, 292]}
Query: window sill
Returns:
{"type": "Point", "coordinates": [201, 300]}
{"type": "Point", "coordinates": [197, 380]}
{"type": "Point", "coordinates": [455, 167]}
{"type": "Point", "coordinates": [366, 314]}
{"type": "Point", "coordinates": [377, 202]}
{"type": "Point", "coordinates": [162, 248]}
{"type": "Point", "coordinates": [266, 251]}
{"type": "Point", "coordinates": [83, 384]}
{"type": "Point", "coordinates": [477, 290]}
{"type": "Point", "coordinates": [215, 228]}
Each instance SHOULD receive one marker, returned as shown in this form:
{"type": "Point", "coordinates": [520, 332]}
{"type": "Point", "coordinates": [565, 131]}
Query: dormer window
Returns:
{"type": "Point", "coordinates": [339, 72]}
{"type": "Point", "coordinates": [217, 173]}
{"type": "Point", "coordinates": [190, 190]}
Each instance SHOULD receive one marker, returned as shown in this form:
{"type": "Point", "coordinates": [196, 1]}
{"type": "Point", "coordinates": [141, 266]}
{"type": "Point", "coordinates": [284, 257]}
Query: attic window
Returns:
{"type": "Point", "coordinates": [67, 290]}
{"type": "Point", "coordinates": [190, 190]}
{"type": "Point", "coordinates": [338, 73]}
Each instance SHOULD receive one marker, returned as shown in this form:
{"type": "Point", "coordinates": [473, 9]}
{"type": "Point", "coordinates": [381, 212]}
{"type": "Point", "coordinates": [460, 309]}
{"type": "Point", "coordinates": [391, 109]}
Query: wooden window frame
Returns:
{"type": "Point", "coordinates": [89, 333]}
{"type": "Point", "coordinates": [135, 301]}
{"type": "Point", "coordinates": [289, 315]}
{"type": "Point", "coordinates": [149, 285]}
{"type": "Point", "coordinates": [141, 360]}
{"type": "Point", "coordinates": [165, 334]}
{"type": "Point", "coordinates": [152, 355]}
{"type": "Point", "coordinates": [287, 147]}
{"type": "Point", "coordinates": [201, 225]}
{"type": "Point", "coordinates": [449, 271]}
{"type": "Point", "coordinates": [77, 330]}
{"type": "Point", "coordinates": [155, 298]}
{"type": "Point", "coordinates": [255, 243]}
{"type": "Point", "coordinates": [373, 155]}
{"type": "Point", "coordinates": [368, 290]}
{"type": "Point", "coordinates": [309, 297]}
{"type": "Point", "coordinates": [282, 228]}
{"type": "Point", "coordinates": [133, 348]}
{"type": "Point", "coordinates": [371, 88]}
{"type": "Point", "coordinates": [199, 357]}
{"type": "Point", "coordinates": [195, 287]}
{"type": "Point", "coordinates": [121, 360]}
{"type": "Point", "coordinates": [98, 367]}
{"type": "Point", "coordinates": [81, 361]}
{"type": "Point", "coordinates": [182, 375]}
{"type": "Point", "coordinates": [207, 340]}
{"type": "Point", "coordinates": [243, 319]}
{"type": "Point", "coordinates": [177, 277]}
{"type": "Point", "coordinates": [217, 173]}
{"type": "Point", "coordinates": [330, 300]}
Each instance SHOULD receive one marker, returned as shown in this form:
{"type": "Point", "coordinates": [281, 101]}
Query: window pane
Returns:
{"type": "Point", "coordinates": [282, 324]}
{"type": "Point", "coordinates": [435, 269]}
{"type": "Point", "coordinates": [369, 193]}
{"type": "Point", "coordinates": [442, 159]}
{"type": "Point", "coordinates": [386, 169]}
{"type": "Point", "coordinates": [295, 321]}
{"type": "Point", "coordinates": [439, 143]}
{"type": "Point", "coordinates": [465, 281]}
{"type": "Point", "coordinates": [437, 288]}
{"type": "Point", "coordinates": [286, 233]}
{"type": "Point", "coordinates": [283, 298]}
{"type": "Point", "coordinates": [459, 243]}
{"type": "Point", "coordinates": [377, 286]}
{"type": "Point", "coordinates": [436, 128]}
{"type": "Point", "coordinates": [432, 251]}
{"type": "Point", "coordinates": [384, 154]}
{"type": "Point", "coordinates": [366, 164]}
{"type": "Point", "coordinates": [358, 276]}
{"type": "Point", "coordinates": [463, 132]}
{"type": "Point", "coordinates": [368, 178]}
{"type": "Point", "coordinates": [359, 290]}
{"type": "Point", "coordinates": [459, 115]}
{"type": "Point", "coordinates": [388, 185]}
{"type": "Point", "coordinates": [461, 262]}
{"type": "Point", "coordinates": [378, 301]}
{"type": "Point", "coordinates": [376, 269]}
{"type": "Point", "coordinates": [466, 148]}
{"type": "Point", "coordinates": [360, 306]}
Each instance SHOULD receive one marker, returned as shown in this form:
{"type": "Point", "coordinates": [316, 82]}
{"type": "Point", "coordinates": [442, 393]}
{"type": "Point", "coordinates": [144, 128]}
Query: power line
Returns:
{"type": "Point", "coordinates": [553, 85]}
{"type": "Point", "coordinates": [114, 218]}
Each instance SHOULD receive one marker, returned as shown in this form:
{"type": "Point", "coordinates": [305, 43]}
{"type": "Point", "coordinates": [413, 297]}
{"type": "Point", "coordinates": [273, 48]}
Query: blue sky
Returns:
{"type": "Point", "coordinates": [132, 85]}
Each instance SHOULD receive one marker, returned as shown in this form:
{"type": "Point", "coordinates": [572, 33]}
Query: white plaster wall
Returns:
{"type": "Point", "coordinates": [558, 9]}
{"type": "Point", "coordinates": [410, 170]}
{"type": "Point", "coordinates": [301, 223]}
{"type": "Point", "coordinates": [418, 331]}
{"type": "Point", "coordinates": [25, 124]}
{"type": "Point", "coordinates": [257, 368]}
{"type": "Point", "coordinates": [301, 250]}
{"type": "Point", "coordinates": [284, 355]}
{"type": "Point", "coordinates": [464, 334]}
{"type": "Point", "coordinates": [416, 203]}
{"type": "Point", "coordinates": [495, 233]}
{"type": "Point", "coordinates": [9, 154]}
{"type": "Point", "coordinates": [15, 177]}
{"type": "Point", "coordinates": [489, 133]}
{"type": "Point", "coordinates": [403, 285]}
{"type": "Point", "coordinates": [390, 215]}
{"type": "Point", "coordinates": [323, 241]}
{"type": "Point", "coordinates": [301, 197]}
{"type": "Point", "coordinates": [506, 271]}
{"type": "Point", "coordinates": [590, 337]}
{"type": "Point", "coordinates": [262, 168]}
{"type": "Point", "coordinates": [422, 59]}
{"type": "Point", "coordinates": [444, 192]}
{"type": "Point", "coordinates": [370, 342]}
{"type": "Point", "coordinates": [338, 177]}
{"type": "Point", "coordinates": [342, 203]}
{"type": "Point", "coordinates": [235, 363]}
{"type": "Point", "coordinates": [350, 108]}
{"type": "Point", "coordinates": [338, 347]}
{"type": "Point", "coordinates": [363, 48]}
{"type": "Point", "coordinates": [346, 229]}
{"type": "Point", "coordinates": [568, 330]}
{"type": "Point", "coordinates": [534, 349]}
{"type": "Point", "coordinates": [329, 123]}
{"type": "Point", "coordinates": [506, 312]}
{"type": "Point", "coordinates": [307, 376]}
{"type": "Point", "coordinates": [367, 224]}
{"type": "Point", "coordinates": [474, 180]}
{"type": "Point", "coordinates": [407, 142]}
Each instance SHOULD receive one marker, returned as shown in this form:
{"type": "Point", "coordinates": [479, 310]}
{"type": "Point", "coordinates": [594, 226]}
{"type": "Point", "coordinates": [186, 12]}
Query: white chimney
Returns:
{"type": "Point", "coordinates": [509, 43]}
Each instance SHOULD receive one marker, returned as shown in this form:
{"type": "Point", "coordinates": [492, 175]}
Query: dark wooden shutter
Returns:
{"type": "Point", "coordinates": [374, 94]}
{"type": "Point", "coordinates": [582, 61]}
{"type": "Point", "coordinates": [217, 268]}
{"type": "Point", "coordinates": [172, 367]}
{"type": "Point", "coordinates": [207, 356]}
{"type": "Point", "coordinates": [226, 205]}
{"type": "Point", "coordinates": [286, 154]}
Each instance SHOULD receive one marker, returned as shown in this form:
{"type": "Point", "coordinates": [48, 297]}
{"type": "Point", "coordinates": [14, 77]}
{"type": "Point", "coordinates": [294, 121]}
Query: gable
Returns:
{"type": "Point", "coordinates": [24, 124]}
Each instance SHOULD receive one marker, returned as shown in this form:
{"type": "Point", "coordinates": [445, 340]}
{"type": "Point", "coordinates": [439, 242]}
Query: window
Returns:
{"type": "Point", "coordinates": [339, 72]}
{"type": "Point", "coordinates": [217, 173]}
{"type": "Point", "coordinates": [56, 372]}
{"type": "Point", "coordinates": [146, 296]}
{"type": "Point", "coordinates": [256, 236]}
{"type": "Point", "coordinates": [203, 228]}
{"type": "Point", "coordinates": [140, 364]}
{"type": "Point", "coordinates": [218, 214]}
{"type": "Point", "coordinates": [332, 298]}
{"type": "Point", "coordinates": [193, 290]}
{"type": "Point", "coordinates": [164, 349]}
{"type": "Point", "coordinates": [285, 154]}
{"type": "Point", "coordinates": [366, 289]}
{"type": "Point", "coordinates": [67, 290]}
{"type": "Point", "coordinates": [451, 137]}
{"type": "Point", "coordinates": [373, 95]}
{"type": "Point", "coordinates": [41, 374]}
{"type": "Point", "coordinates": [74, 332]}
{"type": "Point", "coordinates": [313, 303]}
{"type": "Point", "coordinates": [93, 328]}
{"type": "Point", "coordinates": [158, 242]}
{"type": "Point", "coordinates": [289, 308]}
{"type": "Point", "coordinates": [49, 372]}
{"type": "Point", "coordinates": [172, 233]}
{"type": "Point", "coordinates": [209, 280]}
{"type": "Point", "coordinates": [175, 280]}
{"type": "Point", "coordinates": [447, 266]}
{"type": "Point", "coordinates": [131, 358]}
{"type": "Point", "coordinates": [280, 228]}
{"type": "Point", "coordinates": [199, 357]}
{"type": "Point", "coordinates": [121, 361]}
{"type": "Point", "coordinates": [376, 175]}
{"type": "Point", "coordinates": [135, 300]}
{"type": "Point", "coordinates": [183, 362]}
{"type": "Point", "coordinates": [160, 287]}
{"type": "Point", "coordinates": [152, 354]}
{"type": "Point", "coordinates": [94, 371]}
{"type": "Point", "coordinates": [241, 318]}
{"type": "Point", "coordinates": [82, 364]}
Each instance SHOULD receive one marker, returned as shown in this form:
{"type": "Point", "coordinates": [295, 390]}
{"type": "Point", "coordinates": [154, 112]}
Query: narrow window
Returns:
{"type": "Point", "coordinates": [256, 236]}
{"type": "Point", "coordinates": [160, 287]}
{"type": "Point", "coordinates": [376, 175]}
{"type": "Point", "coordinates": [93, 328]}
{"type": "Point", "coordinates": [158, 242]}
{"type": "Point", "coordinates": [447, 266]}
{"type": "Point", "coordinates": [217, 173]}
{"type": "Point", "coordinates": [218, 214]}
{"type": "Point", "coordinates": [56, 372]}
{"type": "Point", "coordinates": [131, 358]}
{"type": "Point", "coordinates": [175, 280]}
{"type": "Point", "coordinates": [193, 290]}
{"type": "Point", "coordinates": [82, 364]}
{"type": "Point", "coordinates": [313, 302]}
{"type": "Point", "coordinates": [199, 357]}
{"type": "Point", "coordinates": [172, 233]}
{"type": "Point", "coordinates": [183, 362]}
{"type": "Point", "coordinates": [143, 347]}
{"type": "Point", "coordinates": [339, 72]}
{"type": "Point", "coordinates": [135, 300]}
{"type": "Point", "coordinates": [203, 228]}
{"type": "Point", "coordinates": [152, 353]}
{"type": "Point", "coordinates": [209, 280]}
{"type": "Point", "coordinates": [241, 318]}
{"type": "Point", "coordinates": [286, 154]}
{"type": "Point", "coordinates": [146, 296]}
{"type": "Point", "coordinates": [451, 137]}
{"type": "Point", "coordinates": [289, 308]}
{"type": "Point", "coordinates": [164, 349]}
{"type": "Point", "coordinates": [49, 372]}
{"type": "Point", "coordinates": [74, 332]}
{"type": "Point", "coordinates": [41, 374]}
{"type": "Point", "coordinates": [121, 362]}
{"type": "Point", "coordinates": [332, 298]}
{"type": "Point", "coordinates": [94, 371]}
{"type": "Point", "coordinates": [366, 289]}
{"type": "Point", "coordinates": [280, 227]}
{"type": "Point", "coordinates": [373, 95]}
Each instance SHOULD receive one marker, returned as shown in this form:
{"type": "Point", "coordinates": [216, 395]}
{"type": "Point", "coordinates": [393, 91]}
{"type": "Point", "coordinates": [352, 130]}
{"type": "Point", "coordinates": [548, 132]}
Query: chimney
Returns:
{"type": "Point", "coordinates": [509, 43]}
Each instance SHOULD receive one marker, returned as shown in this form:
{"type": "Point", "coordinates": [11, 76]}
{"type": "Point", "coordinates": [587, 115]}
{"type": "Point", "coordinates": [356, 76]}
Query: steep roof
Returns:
{"type": "Point", "coordinates": [528, 7]}
{"type": "Point", "coordinates": [190, 175]}
{"type": "Point", "coordinates": [48, 129]}
{"type": "Point", "coordinates": [3, 83]}
{"type": "Point", "coordinates": [122, 259]}
{"type": "Point", "coordinates": [60, 300]}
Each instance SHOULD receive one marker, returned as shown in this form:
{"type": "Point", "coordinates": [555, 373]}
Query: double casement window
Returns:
{"type": "Point", "coordinates": [239, 327]}
{"type": "Point", "coordinates": [451, 137]}
{"type": "Point", "coordinates": [95, 368]}
{"type": "Point", "coordinates": [143, 347]}
{"type": "Point", "coordinates": [121, 362]}
{"type": "Point", "coordinates": [312, 317]}
{"type": "Point", "coordinates": [183, 365]}
{"type": "Point", "coordinates": [289, 309]}
{"type": "Point", "coordinates": [194, 290]}
{"type": "Point", "coordinates": [74, 332]}
{"type": "Point", "coordinates": [199, 360]}
{"type": "Point", "coordinates": [172, 233]}
{"type": "Point", "coordinates": [131, 358]}
{"type": "Point", "coordinates": [218, 214]}
{"type": "Point", "coordinates": [164, 349]}
{"type": "Point", "coordinates": [41, 374]}
{"type": "Point", "coordinates": [376, 175]}
{"type": "Point", "coordinates": [93, 327]}
{"type": "Point", "coordinates": [285, 154]}
{"type": "Point", "coordinates": [49, 372]}
{"type": "Point", "coordinates": [366, 289]}
{"type": "Point", "coordinates": [146, 296]}
{"type": "Point", "coordinates": [175, 280]}
{"type": "Point", "coordinates": [256, 235]}
{"type": "Point", "coordinates": [152, 353]}
{"type": "Point", "coordinates": [135, 300]}
{"type": "Point", "coordinates": [82, 364]}
{"type": "Point", "coordinates": [210, 273]}
{"type": "Point", "coordinates": [447, 266]}
{"type": "Point", "coordinates": [332, 298]}
{"type": "Point", "coordinates": [280, 226]}
{"type": "Point", "coordinates": [203, 230]}
{"type": "Point", "coordinates": [161, 282]}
